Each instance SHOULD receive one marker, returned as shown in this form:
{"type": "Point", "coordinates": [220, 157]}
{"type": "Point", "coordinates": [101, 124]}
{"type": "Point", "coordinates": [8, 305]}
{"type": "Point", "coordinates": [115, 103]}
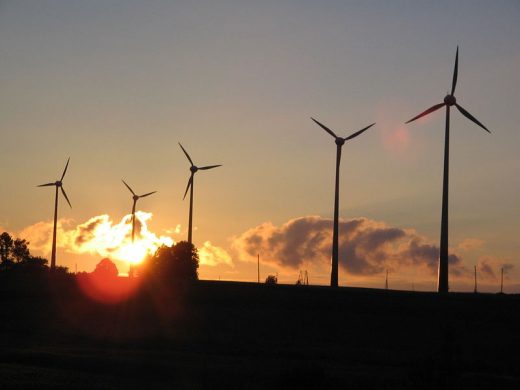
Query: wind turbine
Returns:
{"type": "Point", "coordinates": [193, 169]}
{"type": "Point", "coordinates": [135, 198]}
{"type": "Point", "coordinates": [57, 184]}
{"type": "Point", "coordinates": [449, 101]}
{"type": "Point", "coordinates": [339, 143]}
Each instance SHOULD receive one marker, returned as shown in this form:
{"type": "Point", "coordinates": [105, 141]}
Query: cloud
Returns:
{"type": "Point", "coordinates": [470, 244]}
{"type": "Point", "coordinates": [490, 267]}
{"type": "Point", "coordinates": [98, 236]}
{"type": "Point", "coordinates": [366, 247]}
{"type": "Point", "coordinates": [102, 236]}
{"type": "Point", "coordinates": [39, 235]}
{"type": "Point", "coordinates": [213, 255]}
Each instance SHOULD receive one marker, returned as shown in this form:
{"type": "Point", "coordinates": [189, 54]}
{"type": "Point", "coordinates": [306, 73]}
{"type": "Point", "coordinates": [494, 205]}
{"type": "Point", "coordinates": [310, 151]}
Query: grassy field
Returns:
{"type": "Point", "coordinates": [244, 335]}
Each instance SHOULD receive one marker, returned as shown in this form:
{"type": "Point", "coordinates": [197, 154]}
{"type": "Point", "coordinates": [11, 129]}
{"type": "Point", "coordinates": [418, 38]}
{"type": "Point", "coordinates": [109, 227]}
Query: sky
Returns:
{"type": "Point", "coordinates": [115, 85]}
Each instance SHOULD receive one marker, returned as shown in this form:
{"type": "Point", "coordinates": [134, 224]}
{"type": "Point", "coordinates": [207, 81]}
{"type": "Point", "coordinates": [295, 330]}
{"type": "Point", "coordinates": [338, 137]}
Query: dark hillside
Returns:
{"type": "Point", "coordinates": [241, 335]}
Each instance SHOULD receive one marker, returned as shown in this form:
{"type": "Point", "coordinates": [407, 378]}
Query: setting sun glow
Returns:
{"type": "Point", "coordinates": [99, 235]}
{"type": "Point", "coordinates": [134, 253]}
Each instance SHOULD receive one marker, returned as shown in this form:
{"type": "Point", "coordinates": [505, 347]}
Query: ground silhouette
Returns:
{"type": "Point", "coordinates": [249, 335]}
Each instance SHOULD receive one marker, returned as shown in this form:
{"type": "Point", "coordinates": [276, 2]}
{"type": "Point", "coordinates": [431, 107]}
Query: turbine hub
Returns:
{"type": "Point", "coordinates": [193, 169]}
{"type": "Point", "coordinates": [58, 184]}
{"type": "Point", "coordinates": [340, 141]}
{"type": "Point", "coordinates": [450, 100]}
{"type": "Point", "coordinates": [135, 197]}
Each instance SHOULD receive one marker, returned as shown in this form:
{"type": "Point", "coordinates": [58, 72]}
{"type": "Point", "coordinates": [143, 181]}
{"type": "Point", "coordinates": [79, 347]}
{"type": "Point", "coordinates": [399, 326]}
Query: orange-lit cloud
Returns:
{"type": "Point", "coordinates": [366, 247]}
{"type": "Point", "coordinates": [213, 255]}
{"type": "Point", "coordinates": [99, 236]}
{"type": "Point", "coordinates": [103, 237]}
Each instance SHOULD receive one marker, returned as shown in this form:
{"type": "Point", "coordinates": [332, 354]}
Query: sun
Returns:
{"type": "Point", "coordinates": [134, 253]}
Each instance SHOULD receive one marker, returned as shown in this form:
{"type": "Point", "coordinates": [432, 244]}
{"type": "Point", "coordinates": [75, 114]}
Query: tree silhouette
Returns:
{"type": "Point", "coordinates": [15, 254]}
{"type": "Point", "coordinates": [106, 269]}
{"type": "Point", "coordinates": [31, 265]}
{"type": "Point", "coordinates": [178, 263]}
{"type": "Point", "coordinates": [6, 245]}
{"type": "Point", "coordinates": [271, 279]}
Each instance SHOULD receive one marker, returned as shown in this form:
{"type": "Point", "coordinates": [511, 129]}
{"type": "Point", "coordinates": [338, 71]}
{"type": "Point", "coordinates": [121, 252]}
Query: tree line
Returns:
{"type": "Point", "coordinates": [171, 264]}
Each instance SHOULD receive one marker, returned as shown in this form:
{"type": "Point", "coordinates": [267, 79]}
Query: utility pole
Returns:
{"type": "Point", "coordinates": [386, 280]}
{"type": "Point", "coordinates": [502, 280]}
{"type": "Point", "coordinates": [475, 289]}
{"type": "Point", "coordinates": [258, 267]}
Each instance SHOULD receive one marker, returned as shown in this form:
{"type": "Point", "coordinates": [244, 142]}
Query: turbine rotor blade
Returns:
{"type": "Point", "coordinates": [65, 170]}
{"type": "Point", "coordinates": [47, 185]}
{"type": "Point", "coordinates": [428, 111]}
{"type": "Point", "coordinates": [188, 186]}
{"type": "Point", "coordinates": [471, 117]}
{"type": "Point", "coordinates": [359, 132]}
{"type": "Point", "coordinates": [210, 167]}
{"type": "Point", "coordinates": [325, 128]}
{"type": "Point", "coordinates": [186, 153]}
{"type": "Point", "coordinates": [455, 72]}
{"type": "Point", "coordinates": [65, 195]}
{"type": "Point", "coordinates": [149, 193]}
{"type": "Point", "coordinates": [127, 186]}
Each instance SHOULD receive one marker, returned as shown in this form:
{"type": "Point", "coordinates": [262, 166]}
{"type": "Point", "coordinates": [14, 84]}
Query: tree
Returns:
{"type": "Point", "coordinates": [106, 269]}
{"type": "Point", "coordinates": [178, 263]}
{"type": "Point", "coordinates": [13, 251]}
{"type": "Point", "coordinates": [6, 245]}
{"type": "Point", "coordinates": [20, 250]}
{"type": "Point", "coordinates": [15, 255]}
{"type": "Point", "coordinates": [31, 265]}
{"type": "Point", "coordinates": [271, 279]}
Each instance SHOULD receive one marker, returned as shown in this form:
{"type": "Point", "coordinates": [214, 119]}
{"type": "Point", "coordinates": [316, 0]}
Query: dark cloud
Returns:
{"type": "Point", "coordinates": [490, 267]}
{"type": "Point", "coordinates": [366, 247]}
{"type": "Point", "coordinates": [86, 231]}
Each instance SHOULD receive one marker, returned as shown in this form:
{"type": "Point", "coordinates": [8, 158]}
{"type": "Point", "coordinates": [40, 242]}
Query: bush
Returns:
{"type": "Point", "coordinates": [271, 279]}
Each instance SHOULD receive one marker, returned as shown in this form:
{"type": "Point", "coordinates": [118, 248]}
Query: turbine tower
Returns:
{"type": "Point", "coordinates": [449, 101]}
{"type": "Point", "coordinates": [339, 144]}
{"type": "Point", "coordinates": [57, 184]}
{"type": "Point", "coordinates": [135, 199]}
{"type": "Point", "coordinates": [193, 169]}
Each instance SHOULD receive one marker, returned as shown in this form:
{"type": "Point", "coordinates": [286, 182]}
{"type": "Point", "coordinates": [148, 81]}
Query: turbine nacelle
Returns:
{"type": "Point", "coordinates": [450, 100]}
{"type": "Point", "coordinates": [340, 141]}
{"type": "Point", "coordinates": [135, 198]}
{"type": "Point", "coordinates": [57, 184]}
{"type": "Point", "coordinates": [193, 170]}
